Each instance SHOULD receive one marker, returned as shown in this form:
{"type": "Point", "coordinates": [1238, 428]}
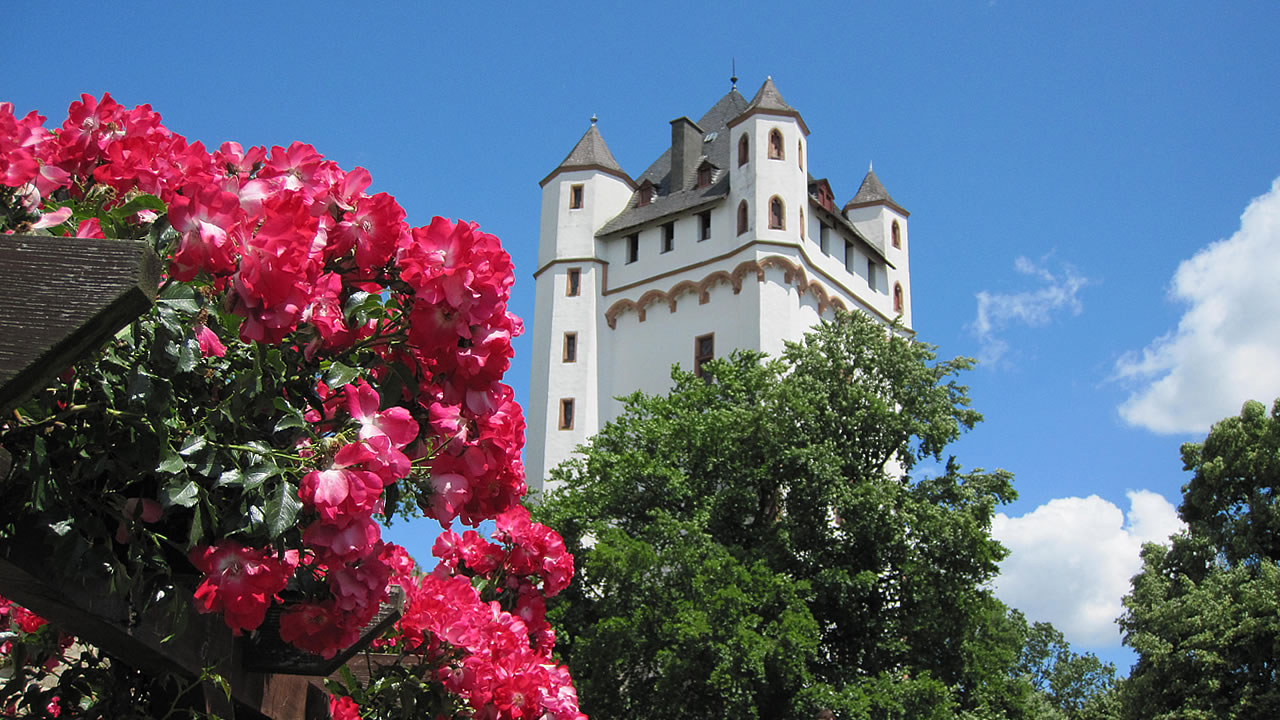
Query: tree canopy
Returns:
{"type": "Point", "coordinates": [784, 535]}
{"type": "Point", "coordinates": [1204, 613]}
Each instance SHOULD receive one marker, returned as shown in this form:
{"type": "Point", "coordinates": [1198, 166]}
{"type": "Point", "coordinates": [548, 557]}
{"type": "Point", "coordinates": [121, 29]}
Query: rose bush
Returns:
{"type": "Point", "coordinates": [313, 366]}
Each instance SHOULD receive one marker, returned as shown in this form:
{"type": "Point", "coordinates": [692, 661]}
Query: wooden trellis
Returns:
{"type": "Point", "coordinates": [60, 298]}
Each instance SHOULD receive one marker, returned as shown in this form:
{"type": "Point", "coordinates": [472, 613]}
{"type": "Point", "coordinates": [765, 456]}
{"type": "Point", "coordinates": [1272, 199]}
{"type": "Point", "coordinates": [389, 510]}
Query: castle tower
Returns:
{"type": "Point", "coordinates": [874, 213]}
{"type": "Point", "coordinates": [725, 242]}
{"type": "Point", "coordinates": [578, 197]}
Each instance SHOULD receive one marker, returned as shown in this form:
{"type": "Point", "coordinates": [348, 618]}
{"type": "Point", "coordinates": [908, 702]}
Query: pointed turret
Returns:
{"type": "Point", "coordinates": [768, 101]}
{"type": "Point", "coordinates": [768, 98]}
{"type": "Point", "coordinates": [591, 153]}
{"type": "Point", "coordinates": [872, 192]}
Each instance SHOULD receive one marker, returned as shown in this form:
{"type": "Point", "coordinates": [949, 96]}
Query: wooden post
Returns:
{"type": "Point", "coordinates": [61, 297]}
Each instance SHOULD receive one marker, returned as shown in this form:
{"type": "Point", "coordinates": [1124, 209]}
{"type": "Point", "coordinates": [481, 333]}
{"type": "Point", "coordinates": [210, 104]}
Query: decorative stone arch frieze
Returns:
{"type": "Point", "coordinates": [792, 274]}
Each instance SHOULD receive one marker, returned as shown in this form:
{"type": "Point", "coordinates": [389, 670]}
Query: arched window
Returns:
{"type": "Point", "coordinates": [801, 223]}
{"type": "Point", "coordinates": [896, 234]}
{"type": "Point", "coordinates": [800, 153]}
{"type": "Point", "coordinates": [744, 150]}
{"type": "Point", "coordinates": [777, 214]}
{"type": "Point", "coordinates": [775, 145]}
{"type": "Point", "coordinates": [742, 217]}
{"type": "Point", "coordinates": [897, 298]}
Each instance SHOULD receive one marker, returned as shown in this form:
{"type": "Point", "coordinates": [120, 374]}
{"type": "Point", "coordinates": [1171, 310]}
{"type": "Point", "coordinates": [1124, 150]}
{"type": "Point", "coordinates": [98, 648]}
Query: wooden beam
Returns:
{"type": "Point", "coordinates": [61, 297]}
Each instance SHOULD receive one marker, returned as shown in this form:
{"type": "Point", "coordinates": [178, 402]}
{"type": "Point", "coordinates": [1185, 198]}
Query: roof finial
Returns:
{"type": "Point", "coordinates": [870, 166]}
{"type": "Point", "coordinates": [593, 118]}
{"type": "Point", "coordinates": [733, 79]}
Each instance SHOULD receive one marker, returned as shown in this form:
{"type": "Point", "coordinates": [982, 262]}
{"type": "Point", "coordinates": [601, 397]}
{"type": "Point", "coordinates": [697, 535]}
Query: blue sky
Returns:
{"type": "Point", "coordinates": [1061, 162]}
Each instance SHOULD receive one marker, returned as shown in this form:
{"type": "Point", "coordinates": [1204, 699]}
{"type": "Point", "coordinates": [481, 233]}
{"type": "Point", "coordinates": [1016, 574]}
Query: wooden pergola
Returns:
{"type": "Point", "coordinates": [61, 298]}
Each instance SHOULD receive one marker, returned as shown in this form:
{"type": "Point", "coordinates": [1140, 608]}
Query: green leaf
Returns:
{"type": "Point", "coordinates": [183, 494]}
{"type": "Point", "coordinates": [282, 508]}
{"type": "Point", "coordinates": [192, 445]}
{"type": "Point", "coordinates": [172, 462]}
{"type": "Point", "coordinates": [230, 478]}
{"type": "Point", "coordinates": [188, 354]}
{"type": "Point", "coordinates": [181, 297]}
{"type": "Point", "coordinates": [258, 475]}
{"type": "Point", "coordinates": [340, 375]}
{"type": "Point", "coordinates": [136, 203]}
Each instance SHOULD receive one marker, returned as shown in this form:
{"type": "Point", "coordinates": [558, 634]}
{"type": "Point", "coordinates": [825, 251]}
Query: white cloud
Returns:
{"type": "Point", "coordinates": [1226, 349]}
{"type": "Point", "coordinates": [1071, 559]}
{"type": "Point", "coordinates": [1032, 308]}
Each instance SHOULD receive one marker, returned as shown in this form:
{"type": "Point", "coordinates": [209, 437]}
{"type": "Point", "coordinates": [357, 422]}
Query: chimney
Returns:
{"type": "Point", "coordinates": [686, 148]}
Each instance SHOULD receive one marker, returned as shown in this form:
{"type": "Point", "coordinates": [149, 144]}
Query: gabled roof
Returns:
{"type": "Point", "coordinates": [769, 102]}
{"type": "Point", "coordinates": [715, 149]}
{"type": "Point", "coordinates": [872, 192]}
{"type": "Point", "coordinates": [591, 153]}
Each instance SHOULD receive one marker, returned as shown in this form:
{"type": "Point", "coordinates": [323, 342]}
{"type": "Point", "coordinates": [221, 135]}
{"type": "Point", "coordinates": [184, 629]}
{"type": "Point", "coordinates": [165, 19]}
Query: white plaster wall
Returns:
{"type": "Point", "coordinates": [570, 233]}
{"type": "Point", "coordinates": [639, 354]}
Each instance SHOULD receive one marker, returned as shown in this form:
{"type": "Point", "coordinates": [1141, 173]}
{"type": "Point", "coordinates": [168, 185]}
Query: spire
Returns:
{"type": "Point", "coordinates": [872, 192]}
{"type": "Point", "coordinates": [733, 78]}
{"type": "Point", "coordinates": [591, 152]}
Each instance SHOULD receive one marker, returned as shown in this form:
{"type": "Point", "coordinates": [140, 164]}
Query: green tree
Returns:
{"type": "Point", "coordinates": [1204, 613]}
{"type": "Point", "coordinates": [753, 544]}
{"type": "Point", "coordinates": [1074, 686]}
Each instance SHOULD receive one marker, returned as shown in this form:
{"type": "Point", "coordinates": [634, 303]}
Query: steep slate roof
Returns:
{"type": "Point", "coordinates": [717, 150]}
{"type": "Point", "coordinates": [872, 192]}
{"type": "Point", "coordinates": [769, 101]}
{"type": "Point", "coordinates": [591, 153]}
{"type": "Point", "coordinates": [768, 98]}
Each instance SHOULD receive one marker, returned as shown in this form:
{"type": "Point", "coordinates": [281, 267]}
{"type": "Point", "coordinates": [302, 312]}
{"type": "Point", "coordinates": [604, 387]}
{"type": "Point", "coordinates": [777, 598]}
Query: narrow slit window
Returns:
{"type": "Point", "coordinates": [742, 217]}
{"type": "Point", "coordinates": [704, 226]}
{"type": "Point", "coordinates": [896, 233]}
{"type": "Point", "coordinates": [777, 214]}
{"type": "Point", "coordinates": [668, 237]}
{"type": "Point", "coordinates": [704, 350]}
{"type": "Point", "coordinates": [566, 413]}
{"type": "Point", "coordinates": [633, 248]}
{"type": "Point", "coordinates": [573, 282]}
{"type": "Point", "coordinates": [897, 298]}
{"type": "Point", "coordinates": [571, 347]}
{"type": "Point", "coordinates": [744, 150]}
{"type": "Point", "coordinates": [775, 145]}
{"type": "Point", "coordinates": [575, 197]}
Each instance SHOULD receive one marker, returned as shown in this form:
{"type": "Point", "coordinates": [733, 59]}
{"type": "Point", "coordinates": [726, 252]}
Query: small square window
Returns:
{"type": "Point", "coordinates": [633, 248]}
{"type": "Point", "coordinates": [704, 226]}
{"type": "Point", "coordinates": [566, 413]}
{"type": "Point", "coordinates": [571, 347]}
{"type": "Point", "coordinates": [573, 282]}
{"type": "Point", "coordinates": [704, 350]}
{"type": "Point", "coordinates": [668, 237]}
{"type": "Point", "coordinates": [575, 197]}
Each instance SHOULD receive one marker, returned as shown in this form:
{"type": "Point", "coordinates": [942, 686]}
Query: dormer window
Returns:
{"type": "Point", "coordinates": [775, 145]}
{"type": "Point", "coordinates": [646, 194]}
{"type": "Point", "coordinates": [744, 150]}
{"type": "Point", "coordinates": [704, 175]}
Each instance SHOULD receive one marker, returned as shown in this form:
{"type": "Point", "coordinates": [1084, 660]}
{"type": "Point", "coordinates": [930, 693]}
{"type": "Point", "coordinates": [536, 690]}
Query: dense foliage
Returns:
{"type": "Point", "coordinates": [761, 543]}
{"type": "Point", "coordinates": [1204, 614]}
{"type": "Point", "coordinates": [313, 366]}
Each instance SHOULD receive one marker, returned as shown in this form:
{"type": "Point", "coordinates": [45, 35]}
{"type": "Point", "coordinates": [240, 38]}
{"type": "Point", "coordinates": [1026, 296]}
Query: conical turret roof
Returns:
{"type": "Point", "coordinates": [769, 101]}
{"type": "Point", "coordinates": [768, 98]}
{"type": "Point", "coordinates": [591, 153]}
{"type": "Point", "coordinates": [872, 192]}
